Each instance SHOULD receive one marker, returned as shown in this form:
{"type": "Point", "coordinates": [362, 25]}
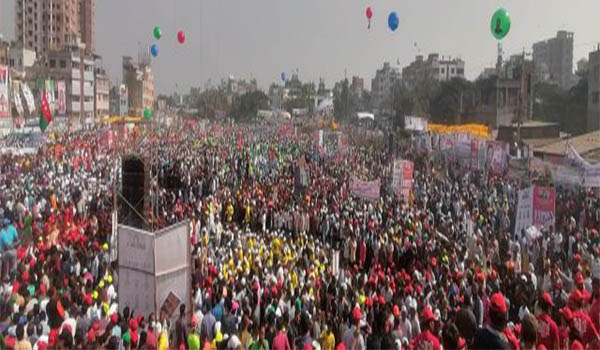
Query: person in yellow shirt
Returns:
{"type": "Point", "coordinates": [327, 339]}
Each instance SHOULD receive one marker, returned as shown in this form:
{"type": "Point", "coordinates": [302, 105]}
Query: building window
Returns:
{"type": "Point", "coordinates": [452, 71]}
{"type": "Point", "coordinates": [460, 71]}
{"type": "Point", "coordinates": [11, 62]}
{"type": "Point", "coordinates": [63, 64]}
{"type": "Point", "coordinates": [595, 97]}
{"type": "Point", "coordinates": [443, 72]}
{"type": "Point", "coordinates": [52, 63]}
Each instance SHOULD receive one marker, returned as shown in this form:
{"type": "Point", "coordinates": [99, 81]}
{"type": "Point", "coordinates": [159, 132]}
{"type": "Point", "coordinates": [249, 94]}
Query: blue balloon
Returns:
{"type": "Point", "coordinates": [282, 76]}
{"type": "Point", "coordinates": [154, 50]}
{"type": "Point", "coordinates": [393, 21]}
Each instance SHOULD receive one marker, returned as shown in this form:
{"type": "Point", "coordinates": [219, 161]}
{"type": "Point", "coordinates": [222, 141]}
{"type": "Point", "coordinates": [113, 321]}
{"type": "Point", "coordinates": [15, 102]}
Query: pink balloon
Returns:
{"type": "Point", "coordinates": [369, 12]}
{"type": "Point", "coordinates": [181, 36]}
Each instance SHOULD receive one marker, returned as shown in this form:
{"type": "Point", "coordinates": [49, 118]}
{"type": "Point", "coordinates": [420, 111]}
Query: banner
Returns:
{"type": "Point", "coordinates": [472, 129]}
{"type": "Point", "coordinates": [4, 102]}
{"type": "Point", "coordinates": [61, 86]}
{"type": "Point", "coordinates": [523, 218]}
{"type": "Point", "coordinates": [544, 199]}
{"type": "Point", "coordinates": [478, 154]}
{"type": "Point", "coordinates": [18, 103]}
{"type": "Point", "coordinates": [402, 177]}
{"type": "Point", "coordinates": [567, 175]}
{"type": "Point", "coordinates": [496, 156]}
{"type": "Point", "coordinates": [50, 95]}
{"type": "Point", "coordinates": [365, 189]}
{"type": "Point", "coordinates": [463, 148]}
{"type": "Point", "coordinates": [572, 158]}
{"type": "Point", "coordinates": [591, 176]}
{"type": "Point", "coordinates": [28, 98]}
{"type": "Point", "coordinates": [415, 123]}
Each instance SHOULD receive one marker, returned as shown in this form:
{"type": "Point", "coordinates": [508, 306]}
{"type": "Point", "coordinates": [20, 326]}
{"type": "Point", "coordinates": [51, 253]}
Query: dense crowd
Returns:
{"type": "Point", "coordinates": [278, 265]}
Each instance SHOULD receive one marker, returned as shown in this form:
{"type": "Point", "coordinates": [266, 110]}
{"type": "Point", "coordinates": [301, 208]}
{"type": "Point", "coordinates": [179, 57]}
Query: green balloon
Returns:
{"type": "Point", "coordinates": [157, 32]}
{"type": "Point", "coordinates": [500, 24]}
{"type": "Point", "coordinates": [147, 113]}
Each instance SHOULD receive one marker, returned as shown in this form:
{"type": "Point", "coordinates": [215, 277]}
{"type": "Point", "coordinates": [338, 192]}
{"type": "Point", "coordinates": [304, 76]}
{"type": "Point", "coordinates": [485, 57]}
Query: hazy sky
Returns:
{"type": "Point", "coordinates": [320, 38]}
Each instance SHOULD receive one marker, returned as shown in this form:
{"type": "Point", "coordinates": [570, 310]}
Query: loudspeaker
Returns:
{"type": "Point", "coordinates": [134, 190]}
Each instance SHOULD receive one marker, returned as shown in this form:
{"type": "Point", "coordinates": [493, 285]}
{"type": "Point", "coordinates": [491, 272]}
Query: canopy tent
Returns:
{"type": "Point", "coordinates": [365, 115]}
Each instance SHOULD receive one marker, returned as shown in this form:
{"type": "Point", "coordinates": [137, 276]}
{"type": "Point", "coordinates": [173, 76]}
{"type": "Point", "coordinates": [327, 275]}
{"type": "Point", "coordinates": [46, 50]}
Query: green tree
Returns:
{"type": "Point", "coordinates": [454, 99]}
{"type": "Point", "coordinates": [577, 106]}
{"type": "Point", "coordinates": [344, 106]}
{"type": "Point", "coordinates": [246, 106]}
{"type": "Point", "coordinates": [550, 103]}
{"type": "Point", "coordinates": [402, 102]}
{"type": "Point", "coordinates": [211, 102]}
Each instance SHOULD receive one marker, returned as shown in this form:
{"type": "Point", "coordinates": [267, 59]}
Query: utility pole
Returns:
{"type": "Point", "coordinates": [521, 99]}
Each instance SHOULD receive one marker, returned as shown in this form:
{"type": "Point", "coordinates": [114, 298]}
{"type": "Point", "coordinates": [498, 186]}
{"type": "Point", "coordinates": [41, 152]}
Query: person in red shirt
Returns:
{"type": "Point", "coordinates": [547, 329]}
{"type": "Point", "coordinates": [281, 342]}
{"type": "Point", "coordinates": [582, 321]}
{"type": "Point", "coordinates": [426, 340]}
{"type": "Point", "coordinates": [579, 284]}
{"type": "Point", "coordinates": [595, 310]}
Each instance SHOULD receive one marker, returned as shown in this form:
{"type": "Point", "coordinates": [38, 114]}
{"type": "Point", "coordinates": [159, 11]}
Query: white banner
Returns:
{"type": "Point", "coordinates": [4, 102]}
{"type": "Point", "coordinates": [415, 123]}
{"type": "Point", "coordinates": [567, 176]}
{"type": "Point", "coordinates": [591, 176]}
{"type": "Point", "coordinates": [524, 217]}
{"type": "Point", "coordinates": [18, 103]}
{"type": "Point", "coordinates": [572, 158]}
{"type": "Point", "coordinates": [136, 249]}
{"type": "Point", "coordinates": [62, 99]}
{"type": "Point", "coordinates": [28, 97]}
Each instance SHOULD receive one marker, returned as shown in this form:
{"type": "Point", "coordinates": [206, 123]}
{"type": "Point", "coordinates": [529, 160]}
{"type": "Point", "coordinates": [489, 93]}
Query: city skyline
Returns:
{"type": "Point", "coordinates": [319, 39]}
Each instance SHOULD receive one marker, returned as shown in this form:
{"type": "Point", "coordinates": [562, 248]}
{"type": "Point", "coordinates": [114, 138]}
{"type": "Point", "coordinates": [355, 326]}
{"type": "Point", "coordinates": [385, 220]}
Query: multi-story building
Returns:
{"type": "Point", "coordinates": [593, 106]}
{"type": "Point", "coordinates": [357, 86]}
{"type": "Point", "coordinates": [50, 25]}
{"type": "Point", "coordinates": [73, 74]}
{"type": "Point", "coordinates": [87, 22]}
{"type": "Point", "coordinates": [434, 68]}
{"type": "Point", "coordinates": [101, 91]}
{"type": "Point", "coordinates": [139, 80]}
{"type": "Point", "coordinates": [553, 59]}
{"type": "Point", "coordinates": [382, 84]}
{"type": "Point", "coordinates": [47, 25]}
{"type": "Point", "coordinates": [119, 100]}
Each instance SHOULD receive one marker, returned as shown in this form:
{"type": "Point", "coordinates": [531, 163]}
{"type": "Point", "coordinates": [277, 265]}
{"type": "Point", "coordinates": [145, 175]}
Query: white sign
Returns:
{"type": "Point", "coordinates": [415, 123]}
{"type": "Point", "coordinates": [136, 249]}
{"type": "Point", "coordinates": [524, 217]}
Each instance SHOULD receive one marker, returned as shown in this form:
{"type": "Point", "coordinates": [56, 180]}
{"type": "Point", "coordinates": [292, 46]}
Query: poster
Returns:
{"type": "Point", "coordinates": [4, 102]}
{"type": "Point", "coordinates": [61, 87]}
{"type": "Point", "coordinates": [402, 177]}
{"type": "Point", "coordinates": [523, 217]}
{"type": "Point", "coordinates": [28, 98]}
{"type": "Point", "coordinates": [591, 176]}
{"type": "Point", "coordinates": [544, 206]}
{"type": "Point", "coordinates": [18, 102]}
{"type": "Point", "coordinates": [50, 95]}
{"type": "Point", "coordinates": [463, 148]}
{"type": "Point", "coordinates": [496, 156]}
{"type": "Point", "coordinates": [365, 189]}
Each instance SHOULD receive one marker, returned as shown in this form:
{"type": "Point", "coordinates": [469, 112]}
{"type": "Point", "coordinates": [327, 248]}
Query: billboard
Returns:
{"type": "Point", "coordinates": [61, 87]}
{"type": "Point", "coordinates": [4, 102]}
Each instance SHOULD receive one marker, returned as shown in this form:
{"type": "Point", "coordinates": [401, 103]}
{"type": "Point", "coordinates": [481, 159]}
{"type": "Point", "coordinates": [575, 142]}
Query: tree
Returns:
{"type": "Point", "coordinates": [344, 106]}
{"type": "Point", "coordinates": [211, 102]}
{"type": "Point", "coordinates": [577, 105]}
{"type": "Point", "coordinates": [402, 102]}
{"type": "Point", "coordinates": [455, 98]}
{"type": "Point", "coordinates": [550, 102]}
{"type": "Point", "coordinates": [246, 106]}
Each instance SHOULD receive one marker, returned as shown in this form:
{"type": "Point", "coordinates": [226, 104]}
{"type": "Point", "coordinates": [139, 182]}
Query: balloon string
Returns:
{"type": "Point", "coordinates": [369, 25]}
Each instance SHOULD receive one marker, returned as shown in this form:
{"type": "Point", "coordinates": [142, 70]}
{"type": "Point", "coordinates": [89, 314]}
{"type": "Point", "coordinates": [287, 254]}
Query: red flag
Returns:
{"type": "Point", "coordinates": [46, 107]}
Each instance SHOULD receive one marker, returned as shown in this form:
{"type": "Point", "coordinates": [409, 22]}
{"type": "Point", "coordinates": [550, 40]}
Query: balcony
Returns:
{"type": "Point", "coordinates": [75, 106]}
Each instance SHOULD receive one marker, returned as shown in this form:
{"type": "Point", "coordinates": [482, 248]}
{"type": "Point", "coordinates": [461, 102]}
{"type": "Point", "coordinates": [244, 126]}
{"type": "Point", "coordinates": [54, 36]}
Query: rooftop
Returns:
{"type": "Point", "coordinates": [587, 145]}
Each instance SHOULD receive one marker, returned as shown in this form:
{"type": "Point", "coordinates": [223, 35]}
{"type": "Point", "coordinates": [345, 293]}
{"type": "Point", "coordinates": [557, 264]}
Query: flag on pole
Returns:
{"type": "Point", "coordinates": [46, 116]}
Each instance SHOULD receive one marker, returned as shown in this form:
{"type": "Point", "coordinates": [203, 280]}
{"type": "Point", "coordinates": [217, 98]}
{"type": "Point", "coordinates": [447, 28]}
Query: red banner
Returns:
{"type": "Point", "coordinates": [544, 199]}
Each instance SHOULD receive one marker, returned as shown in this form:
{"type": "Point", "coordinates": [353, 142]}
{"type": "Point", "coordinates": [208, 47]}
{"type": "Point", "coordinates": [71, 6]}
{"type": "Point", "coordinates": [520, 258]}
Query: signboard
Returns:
{"type": "Point", "coordinates": [402, 177]}
{"type": "Point", "coordinates": [61, 86]}
{"type": "Point", "coordinates": [18, 102]}
{"type": "Point", "coordinates": [415, 123]}
{"type": "Point", "coordinates": [523, 217]}
{"type": "Point", "coordinates": [544, 206]}
{"type": "Point", "coordinates": [496, 156]}
{"type": "Point", "coordinates": [28, 97]}
{"type": "Point", "coordinates": [4, 102]}
{"type": "Point", "coordinates": [567, 175]}
{"type": "Point", "coordinates": [365, 189]}
{"type": "Point", "coordinates": [463, 148]}
{"type": "Point", "coordinates": [136, 249]}
{"type": "Point", "coordinates": [591, 176]}
{"type": "Point", "coordinates": [170, 304]}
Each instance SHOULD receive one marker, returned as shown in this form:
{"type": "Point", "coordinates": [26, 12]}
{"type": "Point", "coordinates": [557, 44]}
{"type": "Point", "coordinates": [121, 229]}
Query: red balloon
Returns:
{"type": "Point", "coordinates": [180, 36]}
{"type": "Point", "coordinates": [369, 12]}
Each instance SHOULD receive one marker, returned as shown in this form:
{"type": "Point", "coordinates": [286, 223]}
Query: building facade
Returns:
{"type": "Point", "coordinates": [433, 68]}
{"type": "Point", "coordinates": [357, 87]}
{"type": "Point", "coordinates": [87, 23]}
{"type": "Point", "coordinates": [553, 59]}
{"type": "Point", "coordinates": [118, 100]}
{"type": "Point", "coordinates": [102, 92]}
{"type": "Point", "coordinates": [47, 25]}
{"type": "Point", "coordinates": [593, 107]}
{"type": "Point", "coordinates": [139, 80]}
{"type": "Point", "coordinates": [382, 84]}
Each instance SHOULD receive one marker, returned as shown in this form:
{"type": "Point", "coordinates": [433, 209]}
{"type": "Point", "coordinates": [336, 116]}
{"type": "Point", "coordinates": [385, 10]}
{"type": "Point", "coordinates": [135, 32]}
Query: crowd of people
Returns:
{"type": "Point", "coordinates": [285, 264]}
